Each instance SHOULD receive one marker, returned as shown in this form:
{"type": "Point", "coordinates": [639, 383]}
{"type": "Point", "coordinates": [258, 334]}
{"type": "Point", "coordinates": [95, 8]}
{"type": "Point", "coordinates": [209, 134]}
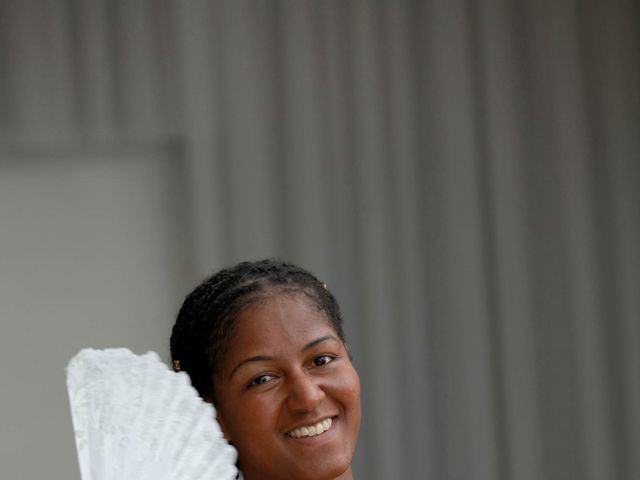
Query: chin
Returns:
{"type": "Point", "coordinates": [324, 469]}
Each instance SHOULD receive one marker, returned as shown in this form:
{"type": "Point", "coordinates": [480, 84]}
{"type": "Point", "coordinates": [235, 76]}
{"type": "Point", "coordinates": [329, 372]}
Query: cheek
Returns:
{"type": "Point", "coordinates": [350, 381]}
{"type": "Point", "coordinates": [346, 388]}
{"type": "Point", "coordinates": [354, 393]}
{"type": "Point", "coordinates": [246, 418]}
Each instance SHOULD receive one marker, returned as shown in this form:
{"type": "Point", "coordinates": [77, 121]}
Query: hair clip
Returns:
{"type": "Point", "coordinates": [325, 286]}
{"type": "Point", "coordinates": [176, 365]}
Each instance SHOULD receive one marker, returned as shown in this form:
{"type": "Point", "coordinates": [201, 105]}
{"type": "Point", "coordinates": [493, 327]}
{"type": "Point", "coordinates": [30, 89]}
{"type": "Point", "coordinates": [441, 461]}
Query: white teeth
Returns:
{"type": "Point", "coordinates": [312, 430]}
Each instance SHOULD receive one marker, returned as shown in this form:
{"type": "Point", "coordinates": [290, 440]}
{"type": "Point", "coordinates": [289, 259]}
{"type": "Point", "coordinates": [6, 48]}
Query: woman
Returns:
{"type": "Point", "coordinates": [263, 342]}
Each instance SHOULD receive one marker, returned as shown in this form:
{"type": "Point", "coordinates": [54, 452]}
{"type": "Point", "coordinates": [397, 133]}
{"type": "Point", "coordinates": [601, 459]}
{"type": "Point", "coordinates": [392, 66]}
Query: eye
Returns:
{"type": "Point", "coordinates": [260, 380]}
{"type": "Point", "coordinates": [323, 360]}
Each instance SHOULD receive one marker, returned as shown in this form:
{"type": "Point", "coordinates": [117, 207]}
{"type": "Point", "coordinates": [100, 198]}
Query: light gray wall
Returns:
{"type": "Point", "coordinates": [93, 252]}
{"type": "Point", "coordinates": [464, 175]}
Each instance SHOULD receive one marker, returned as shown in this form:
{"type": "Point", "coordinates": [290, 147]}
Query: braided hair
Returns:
{"type": "Point", "coordinates": [206, 319]}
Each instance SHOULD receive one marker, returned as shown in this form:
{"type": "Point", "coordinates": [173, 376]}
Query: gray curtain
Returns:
{"type": "Point", "coordinates": [463, 174]}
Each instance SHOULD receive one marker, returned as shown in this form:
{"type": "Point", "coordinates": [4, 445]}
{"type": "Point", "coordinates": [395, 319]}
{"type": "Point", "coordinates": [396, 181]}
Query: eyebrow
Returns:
{"type": "Point", "coordinates": [266, 358]}
{"type": "Point", "coordinates": [257, 358]}
{"type": "Point", "coordinates": [315, 342]}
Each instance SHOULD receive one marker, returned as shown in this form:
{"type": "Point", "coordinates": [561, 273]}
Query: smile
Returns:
{"type": "Point", "coordinates": [312, 430]}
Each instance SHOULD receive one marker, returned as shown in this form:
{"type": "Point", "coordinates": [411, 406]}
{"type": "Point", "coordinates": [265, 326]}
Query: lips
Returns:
{"type": "Point", "coordinates": [312, 430]}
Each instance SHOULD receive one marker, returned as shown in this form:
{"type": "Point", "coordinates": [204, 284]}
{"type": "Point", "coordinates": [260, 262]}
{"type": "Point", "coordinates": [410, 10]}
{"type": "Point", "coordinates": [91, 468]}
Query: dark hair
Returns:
{"type": "Point", "coordinates": [206, 319]}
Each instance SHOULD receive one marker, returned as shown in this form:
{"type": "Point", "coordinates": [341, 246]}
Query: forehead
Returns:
{"type": "Point", "coordinates": [284, 320]}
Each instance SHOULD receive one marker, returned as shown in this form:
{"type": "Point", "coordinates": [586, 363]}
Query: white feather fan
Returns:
{"type": "Point", "coordinates": [134, 419]}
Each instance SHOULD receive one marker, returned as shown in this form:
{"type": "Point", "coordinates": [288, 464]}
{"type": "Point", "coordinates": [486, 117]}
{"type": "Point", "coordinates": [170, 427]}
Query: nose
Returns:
{"type": "Point", "coordinates": [305, 393]}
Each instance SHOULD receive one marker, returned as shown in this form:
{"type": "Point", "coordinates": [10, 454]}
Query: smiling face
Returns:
{"type": "Point", "coordinates": [287, 395]}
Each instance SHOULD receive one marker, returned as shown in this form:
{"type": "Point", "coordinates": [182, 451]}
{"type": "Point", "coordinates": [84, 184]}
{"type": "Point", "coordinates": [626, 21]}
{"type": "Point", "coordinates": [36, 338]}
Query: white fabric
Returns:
{"type": "Point", "coordinates": [134, 419]}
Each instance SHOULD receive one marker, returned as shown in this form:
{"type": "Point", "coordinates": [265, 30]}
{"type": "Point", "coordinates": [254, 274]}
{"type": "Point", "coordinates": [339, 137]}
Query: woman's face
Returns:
{"type": "Point", "coordinates": [285, 374]}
